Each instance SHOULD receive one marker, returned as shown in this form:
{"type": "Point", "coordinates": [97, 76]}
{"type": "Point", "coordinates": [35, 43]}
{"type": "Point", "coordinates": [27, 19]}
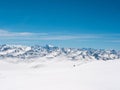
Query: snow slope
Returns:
{"type": "Point", "coordinates": [60, 75]}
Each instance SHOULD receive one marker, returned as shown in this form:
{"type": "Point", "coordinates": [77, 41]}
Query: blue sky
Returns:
{"type": "Point", "coordinates": [64, 23]}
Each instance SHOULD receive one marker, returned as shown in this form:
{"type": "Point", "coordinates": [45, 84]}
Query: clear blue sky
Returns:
{"type": "Point", "coordinates": [65, 23]}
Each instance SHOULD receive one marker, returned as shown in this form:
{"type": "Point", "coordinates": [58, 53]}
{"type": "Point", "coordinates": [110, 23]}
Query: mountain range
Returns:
{"type": "Point", "coordinates": [50, 52]}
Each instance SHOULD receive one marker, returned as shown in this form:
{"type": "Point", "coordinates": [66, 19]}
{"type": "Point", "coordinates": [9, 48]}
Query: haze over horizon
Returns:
{"type": "Point", "coordinates": [74, 23]}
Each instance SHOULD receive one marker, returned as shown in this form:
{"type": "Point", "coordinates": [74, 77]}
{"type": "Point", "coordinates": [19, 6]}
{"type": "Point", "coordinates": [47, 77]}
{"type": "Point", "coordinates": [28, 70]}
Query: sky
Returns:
{"type": "Point", "coordinates": [64, 23]}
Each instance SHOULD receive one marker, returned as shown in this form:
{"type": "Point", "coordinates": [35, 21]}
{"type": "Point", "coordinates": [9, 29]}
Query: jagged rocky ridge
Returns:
{"type": "Point", "coordinates": [48, 51]}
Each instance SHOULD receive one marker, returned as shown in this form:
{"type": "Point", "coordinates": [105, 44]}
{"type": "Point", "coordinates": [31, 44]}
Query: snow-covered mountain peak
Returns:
{"type": "Point", "coordinates": [49, 51]}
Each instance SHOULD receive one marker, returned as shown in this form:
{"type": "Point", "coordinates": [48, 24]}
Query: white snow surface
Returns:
{"type": "Point", "coordinates": [60, 75]}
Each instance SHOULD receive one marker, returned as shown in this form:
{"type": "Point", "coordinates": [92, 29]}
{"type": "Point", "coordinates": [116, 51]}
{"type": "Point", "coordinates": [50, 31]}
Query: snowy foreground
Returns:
{"type": "Point", "coordinates": [62, 75]}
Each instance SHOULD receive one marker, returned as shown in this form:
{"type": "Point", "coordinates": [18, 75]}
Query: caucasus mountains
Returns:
{"type": "Point", "coordinates": [50, 52]}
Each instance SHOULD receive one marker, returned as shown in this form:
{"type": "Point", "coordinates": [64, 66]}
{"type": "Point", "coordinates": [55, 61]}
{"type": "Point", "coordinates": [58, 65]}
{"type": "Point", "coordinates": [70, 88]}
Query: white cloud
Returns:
{"type": "Point", "coordinates": [60, 37]}
{"type": "Point", "coordinates": [66, 37]}
{"type": "Point", "coordinates": [4, 33]}
{"type": "Point", "coordinates": [43, 36]}
{"type": "Point", "coordinates": [114, 41]}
